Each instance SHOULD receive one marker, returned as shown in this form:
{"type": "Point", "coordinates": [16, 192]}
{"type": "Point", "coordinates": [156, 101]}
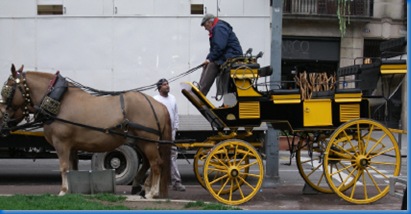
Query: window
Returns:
{"type": "Point", "coordinates": [49, 9]}
{"type": "Point", "coordinates": [372, 47]}
{"type": "Point", "coordinates": [197, 9]}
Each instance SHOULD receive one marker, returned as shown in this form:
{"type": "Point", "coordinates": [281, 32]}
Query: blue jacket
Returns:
{"type": "Point", "coordinates": [224, 43]}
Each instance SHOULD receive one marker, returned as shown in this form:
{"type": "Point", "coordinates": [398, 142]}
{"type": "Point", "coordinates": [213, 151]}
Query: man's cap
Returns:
{"type": "Point", "coordinates": [160, 82]}
{"type": "Point", "coordinates": [206, 18]}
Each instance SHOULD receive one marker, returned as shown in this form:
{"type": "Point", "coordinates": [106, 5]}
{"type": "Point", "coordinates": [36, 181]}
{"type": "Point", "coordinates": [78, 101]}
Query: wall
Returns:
{"type": "Point", "coordinates": [124, 44]}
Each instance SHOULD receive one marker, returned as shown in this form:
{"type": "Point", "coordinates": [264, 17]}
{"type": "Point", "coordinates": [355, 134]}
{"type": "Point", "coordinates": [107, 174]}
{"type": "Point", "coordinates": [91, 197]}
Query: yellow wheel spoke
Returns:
{"type": "Point", "coordinates": [356, 178]}
{"type": "Point", "coordinates": [368, 136]}
{"type": "Point", "coordinates": [219, 160]}
{"type": "Point", "coordinates": [383, 163]}
{"type": "Point", "coordinates": [240, 189]}
{"type": "Point", "coordinates": [248, 174]}
{"type": "Point", "coordinates": [248, 165]}
{"type": "Point", "coordinates": [373, 181]}
{"type": "Point", "coordinates": [235, 155]}
{"type": "Point", "coordinates": [344, 180]}
{"type": "Point", "coordinates": [383, 152]}
{"type": "Point", "coordinates": [248, 184]}
{"type": "Point", "coordinates": [218, 167]}
{"type": "Point", "coordinates": [313, 170]}
{"type": "Point", "coordinates": [321, 179]}
{"type": "Point", "coordinates": [215, 180]}
{"type": "Point", "coordinates": [222, 186]}
{"type": "Point", "coordinates": [379, 172]}
{"type": "Point", "coordinates": [378, 142]}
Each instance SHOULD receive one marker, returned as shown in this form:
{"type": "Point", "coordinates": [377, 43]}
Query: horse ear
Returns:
{"type": "Point", "coordinates": [21, 69]}
{"type": "Point", "coordinates": [13, 70]}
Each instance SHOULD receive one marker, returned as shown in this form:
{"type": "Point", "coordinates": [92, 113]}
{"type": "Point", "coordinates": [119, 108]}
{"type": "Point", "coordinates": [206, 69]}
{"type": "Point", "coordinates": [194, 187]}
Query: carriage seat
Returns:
{"type": "Point", "coordinates": [284, 91]}
{"type": "Point", "coordinates": [366, 76]}
{"type": "Point", "coordinates": [236, 65]}
{"type": "Point", "coordinates": [347, 90]}
{"type": "Point", "coordinates": [285, 96]}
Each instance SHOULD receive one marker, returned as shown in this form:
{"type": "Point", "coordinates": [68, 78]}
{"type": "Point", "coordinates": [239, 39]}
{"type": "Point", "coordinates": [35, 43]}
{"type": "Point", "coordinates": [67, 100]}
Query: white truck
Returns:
{"type": "Point", "coordinates": [117, 45]}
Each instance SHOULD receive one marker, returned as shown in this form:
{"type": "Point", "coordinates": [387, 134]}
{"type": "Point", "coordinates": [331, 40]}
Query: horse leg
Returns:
{"type": "Point", "coordinates": [73, 160]}
{"type": "Point", "coordinates": [138, 181]}
{"type": "Point", "coordinates": [64, 159]}
{"type": "Point", "coordinates": [152, 183]}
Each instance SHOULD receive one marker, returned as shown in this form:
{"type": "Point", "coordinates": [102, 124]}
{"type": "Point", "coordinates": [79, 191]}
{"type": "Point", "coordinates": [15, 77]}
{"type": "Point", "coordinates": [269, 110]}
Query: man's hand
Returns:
{"type": "Point", "coordinates": [206, 62]}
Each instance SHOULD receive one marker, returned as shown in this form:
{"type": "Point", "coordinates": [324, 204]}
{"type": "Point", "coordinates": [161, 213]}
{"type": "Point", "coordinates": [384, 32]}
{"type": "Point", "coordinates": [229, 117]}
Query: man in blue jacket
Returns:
{"type": "Point", "coordinates": [224, 44]}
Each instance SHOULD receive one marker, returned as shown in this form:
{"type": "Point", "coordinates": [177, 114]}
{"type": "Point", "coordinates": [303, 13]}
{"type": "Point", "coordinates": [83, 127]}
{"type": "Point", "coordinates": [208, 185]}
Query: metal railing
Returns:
{"type": "Point", "coordinates": [358, 8]}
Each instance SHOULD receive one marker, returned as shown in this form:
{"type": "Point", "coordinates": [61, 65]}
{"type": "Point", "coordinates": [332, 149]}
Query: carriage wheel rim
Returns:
{"type": "Point", "coordinates": [311, 167]}
{"type": "Point", "coordinates": [242, 187]}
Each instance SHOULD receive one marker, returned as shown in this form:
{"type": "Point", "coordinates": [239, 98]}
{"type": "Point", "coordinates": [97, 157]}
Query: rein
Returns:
{"type": "Point", "coordinates": [97, 92]}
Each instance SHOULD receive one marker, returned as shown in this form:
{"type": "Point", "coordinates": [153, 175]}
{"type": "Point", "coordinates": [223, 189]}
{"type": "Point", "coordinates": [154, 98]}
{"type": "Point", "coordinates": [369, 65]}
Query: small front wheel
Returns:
{"type": "Point", "coordinates": [233, 172]}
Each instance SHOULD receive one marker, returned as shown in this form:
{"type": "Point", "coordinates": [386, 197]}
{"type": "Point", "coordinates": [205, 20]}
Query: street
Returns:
{"type": "Point", "coordinates": [19, 176]}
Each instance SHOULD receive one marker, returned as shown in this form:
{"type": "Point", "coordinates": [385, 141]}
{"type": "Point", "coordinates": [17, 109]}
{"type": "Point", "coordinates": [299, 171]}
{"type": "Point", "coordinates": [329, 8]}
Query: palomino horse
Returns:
{"type": "Point", "coordinates": [74, 119]}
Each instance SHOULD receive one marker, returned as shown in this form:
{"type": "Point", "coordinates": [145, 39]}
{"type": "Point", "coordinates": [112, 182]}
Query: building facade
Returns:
{"type": "Point", "coordinates": [313, 42]}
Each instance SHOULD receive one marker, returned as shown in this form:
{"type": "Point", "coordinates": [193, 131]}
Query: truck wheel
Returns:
{"type": "Point", "coordinates": [124, 160]}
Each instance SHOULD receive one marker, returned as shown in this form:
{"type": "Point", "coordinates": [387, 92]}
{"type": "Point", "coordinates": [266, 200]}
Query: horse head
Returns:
{"type": "Point", "coordinates": [14, 100]}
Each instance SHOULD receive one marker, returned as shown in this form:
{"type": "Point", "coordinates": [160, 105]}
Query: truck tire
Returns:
{"type": "Point", "coordinates": [124, 160]}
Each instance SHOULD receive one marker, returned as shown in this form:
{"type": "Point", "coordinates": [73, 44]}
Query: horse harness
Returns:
{"type": "Point", "coordinates": [49, 108]}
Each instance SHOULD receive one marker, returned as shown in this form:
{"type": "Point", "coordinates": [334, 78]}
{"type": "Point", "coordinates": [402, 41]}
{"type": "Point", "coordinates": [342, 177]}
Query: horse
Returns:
{"type": "Point", "coordinates": [74, 119]}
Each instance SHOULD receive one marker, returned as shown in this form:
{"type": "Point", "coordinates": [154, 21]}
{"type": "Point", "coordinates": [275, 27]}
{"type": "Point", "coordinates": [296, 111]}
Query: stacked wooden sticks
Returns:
{"type": "Point", "coordinates": [314, 82]}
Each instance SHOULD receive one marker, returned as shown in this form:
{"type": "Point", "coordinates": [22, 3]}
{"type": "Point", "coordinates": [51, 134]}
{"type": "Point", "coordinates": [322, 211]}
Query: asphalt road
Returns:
{"type": "Point", "coordinates": [42, 176]}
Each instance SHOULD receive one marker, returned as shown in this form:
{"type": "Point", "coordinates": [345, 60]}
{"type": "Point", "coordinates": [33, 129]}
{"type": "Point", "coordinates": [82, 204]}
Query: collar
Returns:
{"type": "Point", "coordinates": [211, 29]}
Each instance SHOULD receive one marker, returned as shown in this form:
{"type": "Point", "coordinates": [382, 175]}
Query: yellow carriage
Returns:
{"type": "Point", "coordinates": [345, 146]}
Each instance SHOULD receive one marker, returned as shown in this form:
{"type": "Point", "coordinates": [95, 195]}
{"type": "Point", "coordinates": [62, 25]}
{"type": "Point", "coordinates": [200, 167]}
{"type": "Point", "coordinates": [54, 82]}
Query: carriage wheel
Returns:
{"type": "Point", "coordinates": [369, 155]}
{"type": "Point", "coordinates": [228, 177]}
{"type": "Point", "coordinates": [198, 165]}
{"type": "Point", "coordinates": [199, 159]}
{"type": "Point", "coordinates": [309, 158]}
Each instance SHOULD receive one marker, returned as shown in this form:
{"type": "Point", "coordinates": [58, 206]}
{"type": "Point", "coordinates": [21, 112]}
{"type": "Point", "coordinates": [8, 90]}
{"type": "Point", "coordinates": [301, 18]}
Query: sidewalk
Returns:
{"type": "Point", "coordinates": [280, 198]}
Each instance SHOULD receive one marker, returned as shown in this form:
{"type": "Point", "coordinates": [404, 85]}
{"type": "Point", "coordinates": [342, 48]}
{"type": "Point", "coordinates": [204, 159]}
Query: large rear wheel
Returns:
{"type": "Point", "coordinates": [368, 155]}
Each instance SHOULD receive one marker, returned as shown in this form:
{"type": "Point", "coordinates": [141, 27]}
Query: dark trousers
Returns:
{"type": "Point", "coordinates": [404, 200]}
{"type": "Point", "coordinates": [208, 76]}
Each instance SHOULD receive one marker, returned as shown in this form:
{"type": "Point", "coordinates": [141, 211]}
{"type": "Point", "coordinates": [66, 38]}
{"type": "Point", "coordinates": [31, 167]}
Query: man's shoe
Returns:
{"type": "Point", "coordinates": [179, 187]}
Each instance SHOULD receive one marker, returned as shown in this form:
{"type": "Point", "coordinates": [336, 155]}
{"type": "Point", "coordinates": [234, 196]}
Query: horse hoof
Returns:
{"type": "Point", "coordinates": [62, 193]}
{"type": "Point", "coordinates": [136, 190]}
{"type": "Point", "coordinates": [142, 194]}
{"type": "Point", "coordinates": [148, 196]}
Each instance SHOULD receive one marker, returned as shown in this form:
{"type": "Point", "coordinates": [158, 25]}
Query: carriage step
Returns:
{"type": "Point", "coordinates": [398, 190]}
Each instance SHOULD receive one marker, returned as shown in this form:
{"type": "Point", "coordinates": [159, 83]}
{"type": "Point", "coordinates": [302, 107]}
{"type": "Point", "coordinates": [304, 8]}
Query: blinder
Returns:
{"type": "Point", "coordinates": [8, 93]}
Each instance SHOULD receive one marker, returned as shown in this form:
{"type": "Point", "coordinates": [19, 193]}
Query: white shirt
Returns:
{"type": "Point", "coordinates": [171, 104]}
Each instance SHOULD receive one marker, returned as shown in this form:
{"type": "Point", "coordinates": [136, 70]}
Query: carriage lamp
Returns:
{"type": "Point", "coordinates": [367, 61]}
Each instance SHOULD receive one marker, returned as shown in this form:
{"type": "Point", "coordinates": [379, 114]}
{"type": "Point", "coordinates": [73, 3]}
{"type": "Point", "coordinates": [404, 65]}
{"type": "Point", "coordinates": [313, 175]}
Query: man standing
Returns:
{"type": "Point", "coordinates": [169, 101]}
{"type": "Point", "coordinates": [224, 44]}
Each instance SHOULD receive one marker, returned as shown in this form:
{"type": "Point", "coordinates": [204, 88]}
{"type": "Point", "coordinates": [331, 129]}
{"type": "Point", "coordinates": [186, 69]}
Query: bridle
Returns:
{"type": "Point", "coordinates": [8, 93]}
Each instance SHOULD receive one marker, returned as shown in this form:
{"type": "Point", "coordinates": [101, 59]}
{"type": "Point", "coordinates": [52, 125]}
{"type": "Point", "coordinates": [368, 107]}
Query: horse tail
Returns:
{"type": "Point", "coordinates": [165, 152]}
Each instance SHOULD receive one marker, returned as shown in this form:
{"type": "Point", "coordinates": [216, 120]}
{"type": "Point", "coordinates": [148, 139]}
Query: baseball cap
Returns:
{"type": "Point", "coordinates": [160, 83]}
{"type": "Point", "coordinates": [206, 18]}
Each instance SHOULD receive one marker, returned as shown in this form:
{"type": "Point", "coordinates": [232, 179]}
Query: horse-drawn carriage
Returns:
{"type": "Point", "coordinates": [346, 143]}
